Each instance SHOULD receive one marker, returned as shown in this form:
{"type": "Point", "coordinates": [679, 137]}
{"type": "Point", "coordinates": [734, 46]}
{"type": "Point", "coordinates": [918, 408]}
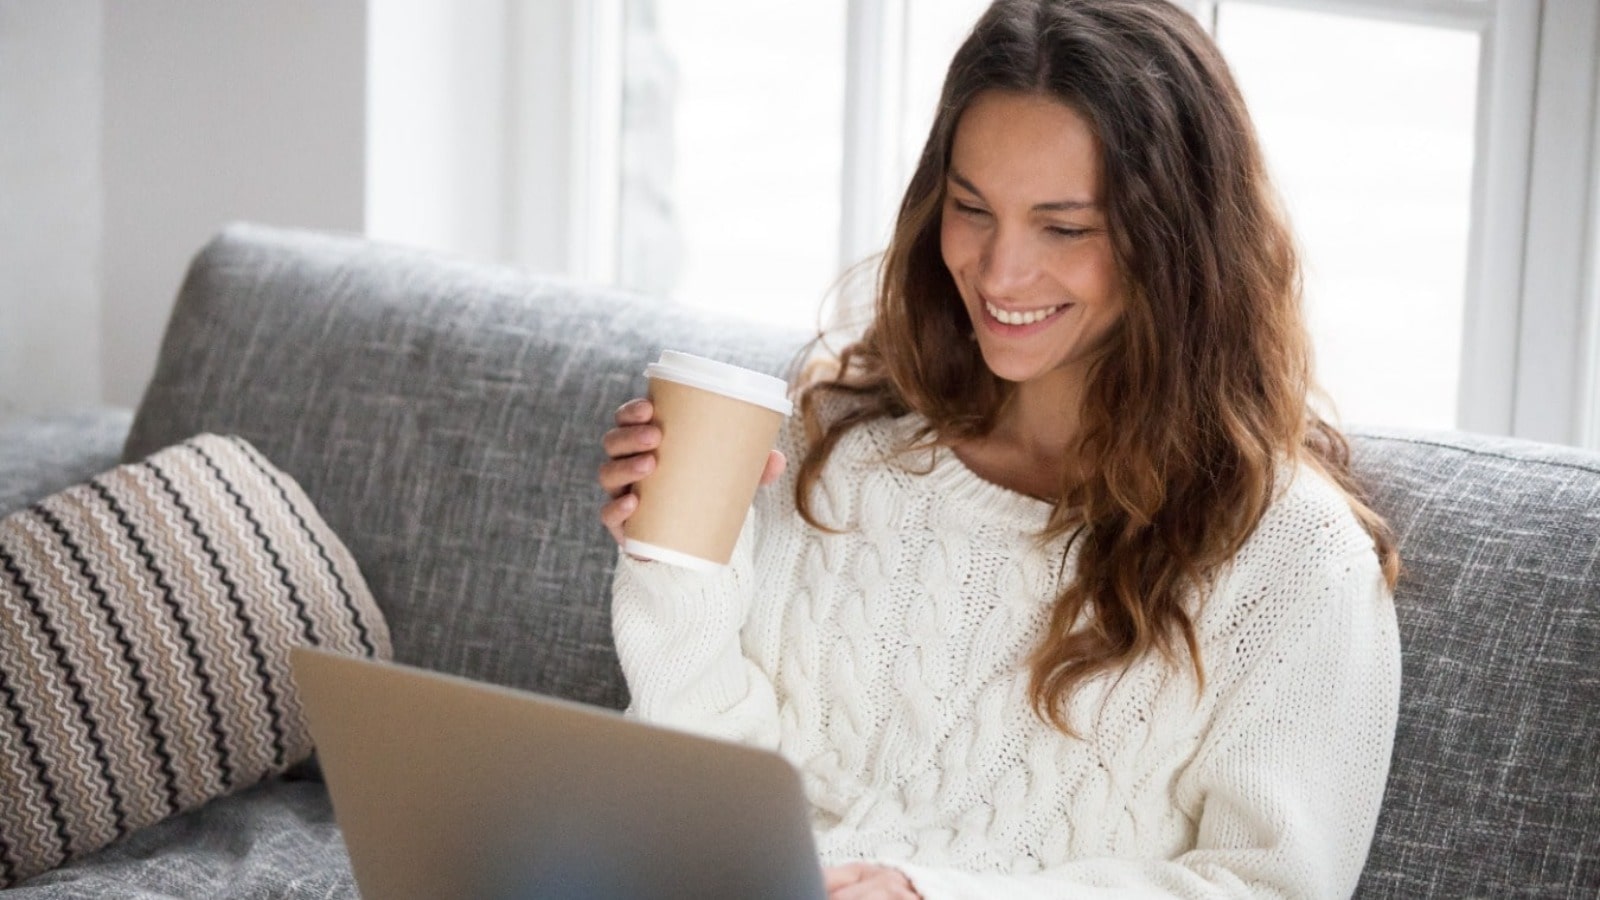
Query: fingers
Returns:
{"type": "Point", "coordinates": [630, 456]}
{"type": "Point", "coordinates": [776, 463]}
{"type": "Point", "coordinates": [629, 448]}
{"type": "Point", "coordinates": [877, 887]}
{"type": "Point", "coordinates": [627, 440]}
{"type": "Point", "coordinates": [613, 514]}
{"type": "Point", "coordinates": [835, 877]}
{"type": "Point", "coordinates": [636, 412]}
{"type": "Point", "coordinates": [618, 476]}
{"type": "Point", "coordinates": [864, 881]}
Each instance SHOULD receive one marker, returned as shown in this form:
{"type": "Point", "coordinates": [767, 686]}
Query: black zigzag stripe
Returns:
{"type": "Point", "coordinates": [305, 528]}
{"type": "Point", "coordinates": [266, 542]}
{"type": "Point", "coordinates": [7, 868]}
{"type": "Point", "coordinates": [35, 756]}
{"type": "Point", "coordinates": [9, 562]}
{"type": "Point", "coordinates": [135, 667]}
{"type": "Point", "coordinates": [274, 702]}
{"type": "Point", "coordinates": [118, 801]}
{"type": "Point", "coordinates": [185, 629]}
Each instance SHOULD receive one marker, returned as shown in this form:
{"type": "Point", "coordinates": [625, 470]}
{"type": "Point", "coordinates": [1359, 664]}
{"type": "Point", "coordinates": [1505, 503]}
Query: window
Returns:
{"type": "Point", "coordinates": [732, 138]}
{"type": "Point", "coordinates": [1528, 358]}
{"type": "Point", "coordinates": [1374, 162]}
{"type": "Point", "coordinates": [1437, 157]}
{"type": "Point", "coordinates": [766, 143]}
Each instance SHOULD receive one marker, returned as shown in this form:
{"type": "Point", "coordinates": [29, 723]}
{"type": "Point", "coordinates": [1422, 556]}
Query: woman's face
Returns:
{"type": "Point", "coordinates": [1023, 232]}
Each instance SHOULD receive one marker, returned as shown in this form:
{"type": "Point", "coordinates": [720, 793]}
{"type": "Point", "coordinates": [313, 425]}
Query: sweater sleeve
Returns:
{"type": "Point", "coordinates": [677, 634]}
{"type": "Point", "coordinates": [1288, 779]}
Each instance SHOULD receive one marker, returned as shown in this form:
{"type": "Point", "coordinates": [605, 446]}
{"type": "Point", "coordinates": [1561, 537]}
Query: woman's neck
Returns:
{"type": "Point", "coordinates": [1037, 427]}
{"type": "Point", "coordinates": [1029, 449]}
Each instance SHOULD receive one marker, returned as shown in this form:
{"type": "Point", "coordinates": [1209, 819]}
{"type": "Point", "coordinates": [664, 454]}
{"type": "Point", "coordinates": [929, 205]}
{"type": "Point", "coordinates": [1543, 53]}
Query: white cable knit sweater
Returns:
{"type": "Point", "coordinates": [889, 663]}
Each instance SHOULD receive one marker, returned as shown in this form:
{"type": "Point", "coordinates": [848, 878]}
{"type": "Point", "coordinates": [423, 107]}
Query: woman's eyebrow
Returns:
{"type": "Point", "coordinates": [1052, 206]}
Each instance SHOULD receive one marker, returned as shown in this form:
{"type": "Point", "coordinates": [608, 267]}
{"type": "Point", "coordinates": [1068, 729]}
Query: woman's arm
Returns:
{"type": "Point", "coordinates": [1289, 778]}
{"type": "Point", "coordinates": [677, 631]}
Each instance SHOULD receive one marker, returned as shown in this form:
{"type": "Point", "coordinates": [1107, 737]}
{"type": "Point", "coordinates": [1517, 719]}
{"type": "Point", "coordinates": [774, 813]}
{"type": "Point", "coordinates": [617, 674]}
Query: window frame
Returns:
{"type": "Point", "coordinates": [1530, 358]}
{"type": "Point", "coordinates": [565, 80]}
{"type": "Point", "coordinates": [873, 94]}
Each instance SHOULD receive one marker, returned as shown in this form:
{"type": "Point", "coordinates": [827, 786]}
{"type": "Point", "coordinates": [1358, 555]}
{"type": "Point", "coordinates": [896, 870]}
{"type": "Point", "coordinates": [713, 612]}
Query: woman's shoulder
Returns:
{"type": "Point", "coordinates": [1308, 544]}
{"type": "Point", "coordinates": [1309, 516]}
{"type": "Point", "coordinates": [1308, 561]}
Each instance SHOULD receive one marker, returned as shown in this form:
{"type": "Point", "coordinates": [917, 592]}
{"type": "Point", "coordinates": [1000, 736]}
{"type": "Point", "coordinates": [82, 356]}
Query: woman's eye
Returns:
{"type": "Point", "coordinates": [967, 209]}
{"type": "Point", "coordinates": [1064, 231]}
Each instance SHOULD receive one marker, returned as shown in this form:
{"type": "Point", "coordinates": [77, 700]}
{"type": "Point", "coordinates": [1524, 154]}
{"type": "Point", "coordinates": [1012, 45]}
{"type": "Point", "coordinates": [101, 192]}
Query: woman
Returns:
{"type": "Point", "coordinates": [1070, 589]}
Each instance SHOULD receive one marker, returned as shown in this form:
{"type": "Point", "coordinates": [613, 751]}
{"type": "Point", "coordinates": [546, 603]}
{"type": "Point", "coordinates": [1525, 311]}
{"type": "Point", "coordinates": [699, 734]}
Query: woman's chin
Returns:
{"type": "Point", "coordinates": [1009, 367]}
{"type": "Point", "coordinates": [1035, 369]}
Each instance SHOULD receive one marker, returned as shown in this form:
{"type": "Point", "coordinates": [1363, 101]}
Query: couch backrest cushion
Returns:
{"type": "Point", "coordinates": [40, 455]}
{"type": "Point", "coordinates": [1495, 788]}
{"type": "Point", "coordinates": [445, 419]}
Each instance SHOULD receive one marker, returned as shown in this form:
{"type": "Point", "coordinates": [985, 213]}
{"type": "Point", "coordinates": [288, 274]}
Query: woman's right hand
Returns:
{"type": "Point", "coordinates": [630, 451]}
{"type": "Point", "coordinates": [630, 456]}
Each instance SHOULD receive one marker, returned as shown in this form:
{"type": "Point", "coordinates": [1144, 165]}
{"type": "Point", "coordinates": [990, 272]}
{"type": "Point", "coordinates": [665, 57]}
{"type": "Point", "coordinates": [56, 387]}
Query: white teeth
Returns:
{"type": "Point", "coordinates": [1020, 318]}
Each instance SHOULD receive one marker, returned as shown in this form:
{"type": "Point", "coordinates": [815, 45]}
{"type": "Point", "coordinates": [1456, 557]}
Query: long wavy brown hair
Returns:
{"type": "Point", "coordinates": [1202, 390]}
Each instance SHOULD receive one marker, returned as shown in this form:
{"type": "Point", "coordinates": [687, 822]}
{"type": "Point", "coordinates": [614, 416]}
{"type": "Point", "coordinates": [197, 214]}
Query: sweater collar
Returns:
{"type": "Point", "coordinates": [965, 490]}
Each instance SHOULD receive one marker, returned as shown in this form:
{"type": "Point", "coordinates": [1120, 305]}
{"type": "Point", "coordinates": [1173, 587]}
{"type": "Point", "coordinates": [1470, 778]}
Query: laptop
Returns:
{"type": "Point", "coordinates": [446, 787]}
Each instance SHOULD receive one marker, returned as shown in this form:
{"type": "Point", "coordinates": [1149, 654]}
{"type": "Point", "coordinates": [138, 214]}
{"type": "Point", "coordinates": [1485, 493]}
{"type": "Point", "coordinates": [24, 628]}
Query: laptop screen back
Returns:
{"type": "Point", "coordinates": [445, 787]}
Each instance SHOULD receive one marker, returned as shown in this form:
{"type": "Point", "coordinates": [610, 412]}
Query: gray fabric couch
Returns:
{"type": "Point", "coordinates": [444, 418]}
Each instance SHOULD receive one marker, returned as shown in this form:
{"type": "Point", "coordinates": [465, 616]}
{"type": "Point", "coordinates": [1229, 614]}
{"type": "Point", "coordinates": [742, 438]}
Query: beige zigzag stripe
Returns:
{"type": "Point", "coordinates": [273, 625]}
{"type": "Point", "coordinates": [164, 655]}
{"type": "Point", "coordinates": [233, 679]}
{"type": "Point", "coordinates": [311, 570]}
{"type": "Point", "coordinates": [123, 578]}
{"type": "Point", "coordinates": [307, 578]}
{"type": "Point", "coordinates": [176, 553]}
{"type": "Point", "coordinates": [61, 728]}
{"type": "Point", "coordinates": [135, 491]}
{"type": "Point", "coordinates": [36, 837]}
{"type": "Point", "coordinates": [125, 775]}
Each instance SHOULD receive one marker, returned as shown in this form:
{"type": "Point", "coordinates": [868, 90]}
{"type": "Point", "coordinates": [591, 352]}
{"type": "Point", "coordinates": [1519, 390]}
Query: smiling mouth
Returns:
{"type": "Point", "coordinates": [1022, 317]}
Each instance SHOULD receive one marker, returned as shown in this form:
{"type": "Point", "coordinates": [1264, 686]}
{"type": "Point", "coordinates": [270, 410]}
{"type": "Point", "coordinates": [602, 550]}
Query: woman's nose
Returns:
{"type": "Point", "coordinates": [1010, 263]}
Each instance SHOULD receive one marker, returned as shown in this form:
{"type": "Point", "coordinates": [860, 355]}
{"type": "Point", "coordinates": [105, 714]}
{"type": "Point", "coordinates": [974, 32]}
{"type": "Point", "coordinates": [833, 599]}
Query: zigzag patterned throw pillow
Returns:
{"type": "Point", "coordinates": [145, 625]}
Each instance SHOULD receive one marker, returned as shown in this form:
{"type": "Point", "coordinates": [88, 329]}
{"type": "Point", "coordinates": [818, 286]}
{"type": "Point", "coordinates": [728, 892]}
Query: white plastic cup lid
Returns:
{"type": "Point", "coordinates": [722, 378]}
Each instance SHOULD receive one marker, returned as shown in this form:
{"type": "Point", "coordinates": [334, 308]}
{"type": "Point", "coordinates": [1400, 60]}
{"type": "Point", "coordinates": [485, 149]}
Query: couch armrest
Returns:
{"type": "Point", "coordinates": [40, 455]}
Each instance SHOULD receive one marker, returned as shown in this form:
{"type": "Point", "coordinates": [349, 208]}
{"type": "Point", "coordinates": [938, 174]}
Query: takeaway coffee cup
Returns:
{"type": "Point", "coordinates": [718, 423]}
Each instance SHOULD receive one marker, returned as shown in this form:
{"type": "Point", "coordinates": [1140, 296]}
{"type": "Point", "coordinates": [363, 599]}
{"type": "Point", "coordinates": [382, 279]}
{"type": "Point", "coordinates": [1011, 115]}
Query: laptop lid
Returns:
{"type": "Point", "coordinates": [445, 787]}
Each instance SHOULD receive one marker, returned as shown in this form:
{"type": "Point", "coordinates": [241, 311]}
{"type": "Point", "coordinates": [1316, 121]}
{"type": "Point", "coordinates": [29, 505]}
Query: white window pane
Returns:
{"type": "Point", "coordinates": [744, 151]}
{"type": "Point", "coordinates": [1368, 131]}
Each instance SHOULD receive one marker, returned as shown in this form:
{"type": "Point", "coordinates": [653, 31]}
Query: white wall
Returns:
{"type": "Point", "coordinates": [49, 205]}
{"type": "Point", "coordinates": [214, 112]}
{"type": "Point", "coordinates": [436, 119]}
{"type": "Point", "coordinates": [131, 130]}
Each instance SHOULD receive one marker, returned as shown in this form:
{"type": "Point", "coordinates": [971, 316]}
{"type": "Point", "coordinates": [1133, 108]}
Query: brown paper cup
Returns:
{"type": "Point", "coordinates": [718, 422]}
